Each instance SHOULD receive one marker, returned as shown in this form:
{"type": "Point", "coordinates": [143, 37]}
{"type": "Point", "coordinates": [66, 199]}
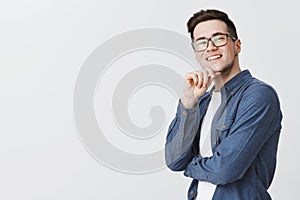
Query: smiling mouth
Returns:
{"type": "Point", "coordinates": [214, 57]}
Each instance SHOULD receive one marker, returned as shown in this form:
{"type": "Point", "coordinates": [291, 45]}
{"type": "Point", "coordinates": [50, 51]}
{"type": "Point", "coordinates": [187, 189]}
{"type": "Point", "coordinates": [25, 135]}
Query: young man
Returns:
{"type": "Point", "coordinates": [224, 139]}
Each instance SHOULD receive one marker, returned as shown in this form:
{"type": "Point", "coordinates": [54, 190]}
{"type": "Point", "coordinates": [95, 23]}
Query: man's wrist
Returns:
{"type": "Point", "coordinates": [188, 103]}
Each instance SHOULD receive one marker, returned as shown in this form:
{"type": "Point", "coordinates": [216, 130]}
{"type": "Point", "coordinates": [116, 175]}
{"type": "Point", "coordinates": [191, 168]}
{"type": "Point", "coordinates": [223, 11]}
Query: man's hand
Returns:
{"type": "Point", "coordinates": [196, 84]}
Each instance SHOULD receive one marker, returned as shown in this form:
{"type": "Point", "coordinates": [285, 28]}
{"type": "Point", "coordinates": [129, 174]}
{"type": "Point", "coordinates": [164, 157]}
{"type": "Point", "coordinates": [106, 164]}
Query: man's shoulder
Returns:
{"type": "Point", "coordinates": [261, 91]}
{"type": "Point", "coordinates": [260, 87]}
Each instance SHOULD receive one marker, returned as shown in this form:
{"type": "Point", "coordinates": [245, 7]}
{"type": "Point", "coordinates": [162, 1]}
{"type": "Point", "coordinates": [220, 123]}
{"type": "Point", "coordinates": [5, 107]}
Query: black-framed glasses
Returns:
{"type": "Point", "coordinates": [218, 40]}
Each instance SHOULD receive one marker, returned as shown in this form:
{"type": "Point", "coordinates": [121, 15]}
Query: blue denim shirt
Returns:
{"type": "Point", "coordinates": [245, 133]}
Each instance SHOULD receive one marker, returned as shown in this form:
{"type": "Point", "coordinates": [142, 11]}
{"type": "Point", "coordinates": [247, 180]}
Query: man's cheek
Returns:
{"type": "Point", "coordinates": [198, 58]}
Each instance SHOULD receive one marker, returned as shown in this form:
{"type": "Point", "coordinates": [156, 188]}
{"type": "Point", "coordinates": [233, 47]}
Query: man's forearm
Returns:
{"type": "Point", "coordinates": [179, 148]}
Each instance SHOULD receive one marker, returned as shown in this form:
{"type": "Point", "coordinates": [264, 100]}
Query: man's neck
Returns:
{"type": "Point", "coordinates": [222, 79]}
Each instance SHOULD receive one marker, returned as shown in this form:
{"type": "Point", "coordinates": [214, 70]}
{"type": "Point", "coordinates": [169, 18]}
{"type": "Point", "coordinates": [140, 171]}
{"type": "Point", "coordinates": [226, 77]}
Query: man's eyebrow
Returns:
{"type": "Point", "coordinates": [217, 33]}
{"type": "Point", "coordinates": [200, 38]}
{"type": "Point", "coordinates": [214, 34]}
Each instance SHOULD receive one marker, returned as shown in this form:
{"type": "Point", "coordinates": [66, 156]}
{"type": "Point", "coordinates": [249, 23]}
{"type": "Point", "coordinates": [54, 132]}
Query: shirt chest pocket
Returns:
{"type": "Point", "coordinates": [221, 131]}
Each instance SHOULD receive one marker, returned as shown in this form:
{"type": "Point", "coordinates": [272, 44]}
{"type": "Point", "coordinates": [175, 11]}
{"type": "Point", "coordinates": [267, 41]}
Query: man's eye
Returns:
{"type": "Point", "coordinates": [202, 42]}
{"type": "Point", "coordinates": [219, 38]}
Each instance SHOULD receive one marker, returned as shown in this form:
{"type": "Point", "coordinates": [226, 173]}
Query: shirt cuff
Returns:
{"type": "Point", "coordinates": [185, 111]}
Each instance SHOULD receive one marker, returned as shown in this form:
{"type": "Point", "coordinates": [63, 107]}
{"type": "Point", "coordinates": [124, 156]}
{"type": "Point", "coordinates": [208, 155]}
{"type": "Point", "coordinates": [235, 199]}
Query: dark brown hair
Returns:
{"type": "Point", "coordinates": [210, 14]}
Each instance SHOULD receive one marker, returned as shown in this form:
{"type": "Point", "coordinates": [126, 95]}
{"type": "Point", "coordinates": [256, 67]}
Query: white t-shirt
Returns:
{"type": "Point", "coordinates": [205, 189]}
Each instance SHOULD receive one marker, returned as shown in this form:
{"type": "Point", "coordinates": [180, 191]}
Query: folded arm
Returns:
{"type": "Point", "coordinates": [258, 118]}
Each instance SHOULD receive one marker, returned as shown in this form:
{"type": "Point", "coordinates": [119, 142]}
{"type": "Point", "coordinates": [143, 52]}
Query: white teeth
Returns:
{"type": "Point", "coordinates": [213, 57]}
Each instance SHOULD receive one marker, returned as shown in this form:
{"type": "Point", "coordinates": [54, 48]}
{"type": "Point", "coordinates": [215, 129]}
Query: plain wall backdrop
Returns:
{"type": "Point", "coordinates": [43, 46]}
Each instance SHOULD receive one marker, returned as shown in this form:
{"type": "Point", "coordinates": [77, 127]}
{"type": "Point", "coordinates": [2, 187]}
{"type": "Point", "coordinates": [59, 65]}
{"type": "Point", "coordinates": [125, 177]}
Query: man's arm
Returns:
{"type": "Point", "coordinates": [182, 139]}
{"type": "Point", "coordinates": [180, 148]}
{"type": "Point", "coordinates": [181, 134]}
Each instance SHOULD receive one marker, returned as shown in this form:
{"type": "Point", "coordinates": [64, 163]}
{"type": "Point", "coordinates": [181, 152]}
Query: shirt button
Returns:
{"type": "Point", "coordinates": [192, 192]}
{"type": "Point", "coordinates": [184, 113]}
{"type": "Point", "coordinates": [223, 126]}
{"type": "Point", "coordinates": [232, 92]}
{"type": "Point", "coordinates": [180, 133]}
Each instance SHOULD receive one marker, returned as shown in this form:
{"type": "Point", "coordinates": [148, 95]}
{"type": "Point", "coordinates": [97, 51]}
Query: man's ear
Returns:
{"type": "Point", "coordinates": [238, 46]}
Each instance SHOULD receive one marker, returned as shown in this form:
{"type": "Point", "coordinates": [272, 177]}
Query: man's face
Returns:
{"type": "Point", "coordinates": [219, 59]}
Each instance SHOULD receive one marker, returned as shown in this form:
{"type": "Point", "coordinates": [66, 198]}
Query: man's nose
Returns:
{"type": "Point", "coordinates": [211, 46]}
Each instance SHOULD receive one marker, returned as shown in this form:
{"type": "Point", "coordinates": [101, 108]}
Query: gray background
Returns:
{"type": "Point", "coordinates": [43, 46]}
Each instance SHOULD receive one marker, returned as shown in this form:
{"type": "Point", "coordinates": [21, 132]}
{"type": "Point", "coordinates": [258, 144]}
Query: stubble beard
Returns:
{"type": "Point", "coordinates": [226, 70]}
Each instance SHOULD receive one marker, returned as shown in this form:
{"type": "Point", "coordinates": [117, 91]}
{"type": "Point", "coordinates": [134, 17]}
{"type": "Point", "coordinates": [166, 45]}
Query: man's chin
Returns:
{"type": "Point", "coordinates": [213, 66]}
{"type": "Point", "coordinates": [224, 70]}
{"type": "Point", "coordinates": [216, 69]}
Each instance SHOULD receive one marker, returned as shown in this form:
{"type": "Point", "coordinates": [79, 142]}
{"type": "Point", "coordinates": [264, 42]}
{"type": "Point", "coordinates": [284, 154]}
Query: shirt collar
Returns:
{"type": "Point", "coordinates": [234, 84]}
